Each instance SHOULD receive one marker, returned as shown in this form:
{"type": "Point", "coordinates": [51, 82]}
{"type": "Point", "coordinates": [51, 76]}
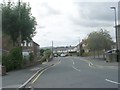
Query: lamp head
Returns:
{"type": "Point", "coordinates": [112, 7]}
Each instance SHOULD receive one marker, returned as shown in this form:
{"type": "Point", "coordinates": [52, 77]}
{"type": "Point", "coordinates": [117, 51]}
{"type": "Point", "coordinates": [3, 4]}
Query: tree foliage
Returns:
{"type": "Point", "coordinates": [99, 40]}
{"type": "Point", "coordinates": [13, 60]}
{"type": "Point", "coordinates": [17, 19]}
{"type": "Point", "coordinates": [41, 52]}
{"type": "Point", "coordinates": [47, 53]}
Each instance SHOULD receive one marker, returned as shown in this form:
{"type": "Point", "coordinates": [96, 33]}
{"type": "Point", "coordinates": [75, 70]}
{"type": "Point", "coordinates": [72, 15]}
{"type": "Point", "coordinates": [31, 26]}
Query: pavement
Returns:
{"type": "Point", "coordinates": [100, 61]}
{"type": "Point", "coordinates": [15, 79]}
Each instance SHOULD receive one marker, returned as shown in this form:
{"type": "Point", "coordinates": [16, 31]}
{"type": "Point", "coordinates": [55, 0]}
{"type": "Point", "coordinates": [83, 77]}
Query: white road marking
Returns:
{"type": "Point", "coordinates": [44, 62]}
{"type": "Point", "coordinates": [34, 69]}
{"type": "Point", "coordinates": [112, 81]}
{"type": "Point", "coordinates": [76, 68]}
{"type": "Point", "coordinates": [90, 64]}
{"type": "Point", "coordinates": [73, 62]}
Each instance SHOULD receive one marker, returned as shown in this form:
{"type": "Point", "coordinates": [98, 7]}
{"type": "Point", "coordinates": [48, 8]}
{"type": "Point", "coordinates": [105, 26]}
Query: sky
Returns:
{"type": "Point", "coordinates": [65, 22]}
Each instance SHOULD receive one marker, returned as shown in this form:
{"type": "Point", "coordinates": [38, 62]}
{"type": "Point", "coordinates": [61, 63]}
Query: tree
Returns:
{"type": "Point", "coordinates": [17, 19]}
{"type": "Point", "coordinates": [41, 52]}
{"type": "Point", "coordinates": [99, 40]}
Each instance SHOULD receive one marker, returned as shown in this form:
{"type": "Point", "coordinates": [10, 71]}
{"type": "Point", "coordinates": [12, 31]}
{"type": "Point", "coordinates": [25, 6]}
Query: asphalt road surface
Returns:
{"type": "Point", "coordinates": [76, 72]}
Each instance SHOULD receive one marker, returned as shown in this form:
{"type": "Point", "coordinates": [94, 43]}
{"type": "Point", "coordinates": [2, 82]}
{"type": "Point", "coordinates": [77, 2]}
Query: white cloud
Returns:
{"type": "Point", "coordinates": [67, 21]}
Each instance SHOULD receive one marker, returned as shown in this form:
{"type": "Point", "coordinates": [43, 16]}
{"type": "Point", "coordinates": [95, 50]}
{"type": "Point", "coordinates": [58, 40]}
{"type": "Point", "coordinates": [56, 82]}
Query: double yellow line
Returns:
{"type": "Point", "coordinates": [44, 71]}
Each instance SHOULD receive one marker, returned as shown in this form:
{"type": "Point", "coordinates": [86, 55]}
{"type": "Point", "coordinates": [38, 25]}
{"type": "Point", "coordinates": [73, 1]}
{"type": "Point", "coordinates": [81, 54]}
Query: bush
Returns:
{"type": "Point", "coordinates": [16, 57]}
{"type": "Point", "coordinates": [13, 60]}
{"type": "Point", "coordinates": [41, 52]}
{"type": "Point", "coordinates": [47, 53]}
{"type": "Point", "coordinates": [7, 62]}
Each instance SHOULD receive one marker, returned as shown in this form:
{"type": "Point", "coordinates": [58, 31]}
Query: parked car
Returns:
{"type": "Point", "coordinates": [55, 55]}
{"type": "Point", "coordinates": [63, 55]}
{"type": "Point", "coordinates": [111, 51]}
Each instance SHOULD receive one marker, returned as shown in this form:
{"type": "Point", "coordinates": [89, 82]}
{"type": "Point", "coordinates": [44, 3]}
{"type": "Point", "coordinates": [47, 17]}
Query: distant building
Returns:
{"type": "Point", "coordinates": [66, 49]}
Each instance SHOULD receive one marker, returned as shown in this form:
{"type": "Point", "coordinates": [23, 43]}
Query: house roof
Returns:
{"type": "Point", "coordinates": [36, 43]}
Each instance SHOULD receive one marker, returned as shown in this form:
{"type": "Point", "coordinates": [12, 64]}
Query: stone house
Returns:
{"type": "Point", "coordinates": [31, 47]}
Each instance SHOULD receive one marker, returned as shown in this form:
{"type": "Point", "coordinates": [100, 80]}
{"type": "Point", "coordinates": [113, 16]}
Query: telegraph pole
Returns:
{"type": "Point", "coordinates": [52, 49]}
{"type": "Point", "coordinates": [19, 23]}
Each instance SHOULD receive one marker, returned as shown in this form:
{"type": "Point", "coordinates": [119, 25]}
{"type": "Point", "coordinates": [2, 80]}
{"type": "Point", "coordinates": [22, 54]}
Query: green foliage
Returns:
{"type": "Point", "coordinates": [31, 56]}
{"type": "Point", "coordinates": [99, 40]}
{"type": "Point", "coordinates": [16, 19]}
{"type": "Point", "coordinates": [47, 53]}
{"type": "Point", "coordinates": [16, 57]}
{"type": "Point", "coordinates": [13, 60]}
{"type": "Point", "coordinates": [7, 62]}
{"type": "Point", "coordinates": [41, 52]}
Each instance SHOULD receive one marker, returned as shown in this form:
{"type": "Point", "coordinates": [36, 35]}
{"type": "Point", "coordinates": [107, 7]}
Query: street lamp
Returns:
{"type": "Point", "coordinates": [79, 47]}
{"type": "Point", "coordinates": [114, 8]}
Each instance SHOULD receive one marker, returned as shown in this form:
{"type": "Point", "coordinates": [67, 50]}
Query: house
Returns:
{"type": "Point", "coordinates": [36, 48]}
{"type": "Point", "coordinates": [31, 47]}
{"type": "Point", "coordinates": [82, 46]}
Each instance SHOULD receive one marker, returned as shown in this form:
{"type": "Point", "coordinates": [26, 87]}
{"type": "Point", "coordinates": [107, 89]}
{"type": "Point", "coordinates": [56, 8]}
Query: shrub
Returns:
{"type": "Point", "coordinates": [47, 53]}
{"type": "Point", "coordinates": [16, 57]}
{"type": "Point", "coordinates": [7, 62]}
{"type": "Point", "coordinates": [41, 52]}
{"type": "Point", "coordinates": [13, 60]}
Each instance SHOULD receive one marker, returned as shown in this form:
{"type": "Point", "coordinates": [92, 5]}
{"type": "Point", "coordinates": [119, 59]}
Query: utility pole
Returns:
{"type": "Point", "coordinates": [19, 23]}
{"type": "Point", "coordinates": [116, 32]}
{"type": "Point", "coordinates": [52, 49]}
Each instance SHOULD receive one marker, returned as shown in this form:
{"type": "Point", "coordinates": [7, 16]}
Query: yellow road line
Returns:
{"type": "Point", "coordinates": [38, 76]}
{"type": "Point", "coordinates": [43, 71]}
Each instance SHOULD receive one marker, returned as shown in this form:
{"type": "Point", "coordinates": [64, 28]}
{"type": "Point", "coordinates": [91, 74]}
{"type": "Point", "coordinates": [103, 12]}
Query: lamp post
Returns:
{"type": "Point", "coordinates": [116, 31]}
{"type": "Point", "coordinates": [79, 47]}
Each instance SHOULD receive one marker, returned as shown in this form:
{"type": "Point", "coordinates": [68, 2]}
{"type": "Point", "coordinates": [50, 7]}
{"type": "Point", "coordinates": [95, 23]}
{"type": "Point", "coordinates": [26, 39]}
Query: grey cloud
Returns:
{"type": "Point", "coordinates": [91, 23]}
{"type": "Point", "coordinates": [94, 14]}
{"type": "Point", "coordinates": [51, 11]}
{"type": "Point", "coordinates": [98, 10]}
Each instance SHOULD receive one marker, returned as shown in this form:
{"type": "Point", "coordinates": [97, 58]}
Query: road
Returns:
{"type": "Point", "coordinates": [76, 72]}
